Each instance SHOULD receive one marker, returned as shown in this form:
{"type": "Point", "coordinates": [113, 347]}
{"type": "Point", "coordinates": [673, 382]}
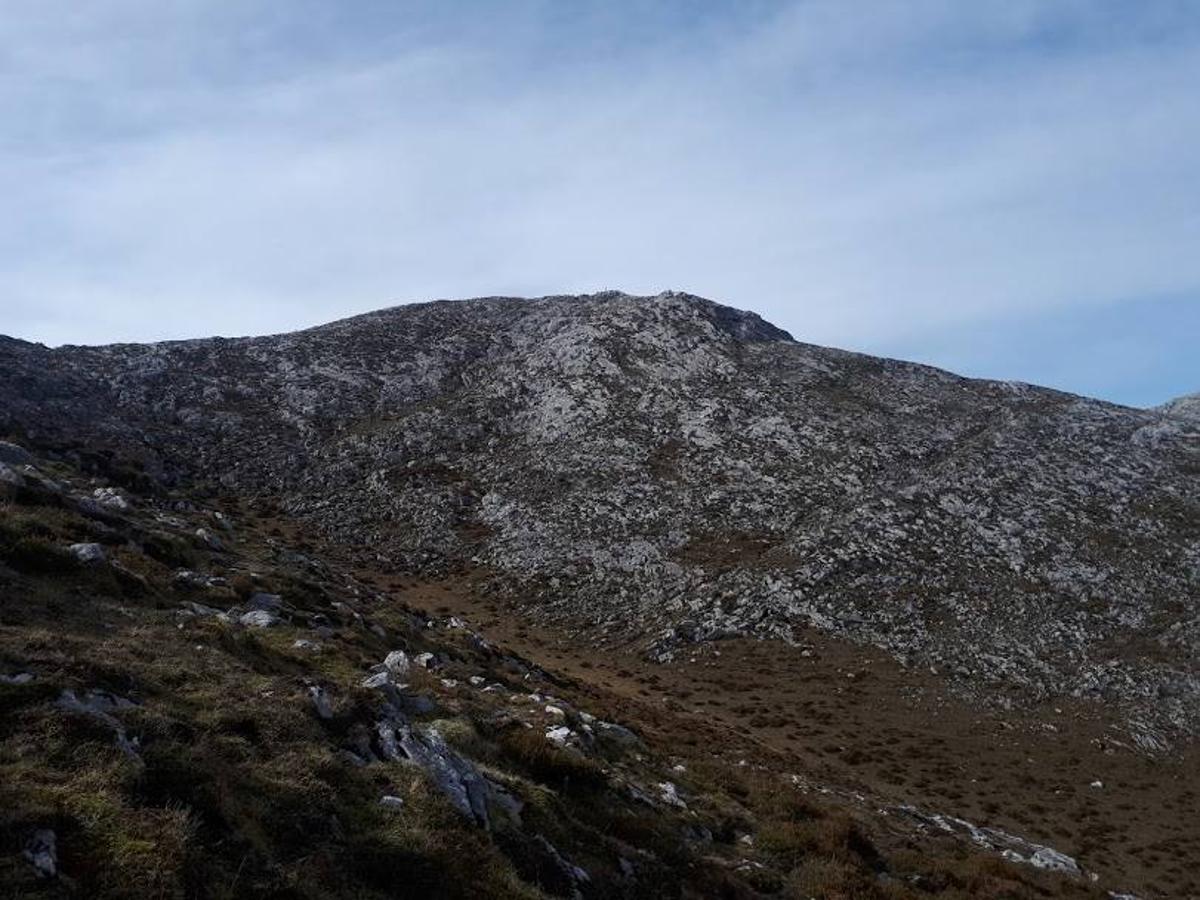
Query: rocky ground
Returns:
{"type": "Point", "coordinates": [889, 739]}
{"type": "Point", "coordinates": [199, 700]}
{"type": "Point", "coordinates": [650, 479]}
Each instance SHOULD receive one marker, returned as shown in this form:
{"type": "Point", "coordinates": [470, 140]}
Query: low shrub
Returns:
{"type": "Point", "coordinates": [835, 837]}
{"type": "Point", "coordinates": [244, 586]}
{"type": "Point", "coordinates": [38, 555]}
{"type": "Point", "coordinates": [545, 762]}
{"type": "Point", "coordinates": [170, 550]}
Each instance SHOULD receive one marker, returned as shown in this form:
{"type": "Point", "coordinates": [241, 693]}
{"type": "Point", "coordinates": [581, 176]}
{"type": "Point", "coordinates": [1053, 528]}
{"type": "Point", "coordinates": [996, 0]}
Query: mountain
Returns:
{"type": "Point", "coordinates": [1185, 407]}
{"type": "Point", "coordinates": [670, 466]}
{"type": "Point", "coordinates": [657, 479]}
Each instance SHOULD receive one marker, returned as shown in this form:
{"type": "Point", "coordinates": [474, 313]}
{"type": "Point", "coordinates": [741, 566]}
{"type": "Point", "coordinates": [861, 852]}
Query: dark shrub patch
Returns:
{"type": "Point", "coordinates": [531, 750]}
{"type": "Point", "coordinates": [38, 555]}
{"type": "Point", "coordinates": [170, 550]}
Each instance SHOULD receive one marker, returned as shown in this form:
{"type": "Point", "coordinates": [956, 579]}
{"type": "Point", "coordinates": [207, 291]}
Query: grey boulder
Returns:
{"type": "Point", "coordinates": [41, 850]}
{"type": "Point", "coordinates": [88, 554]}
{"type": "Point", "coordinates": [320, 702]}
{"type": "Point", "coordinates": [15, 455]}
{"type": "Point", "coordinates": [11, 477]}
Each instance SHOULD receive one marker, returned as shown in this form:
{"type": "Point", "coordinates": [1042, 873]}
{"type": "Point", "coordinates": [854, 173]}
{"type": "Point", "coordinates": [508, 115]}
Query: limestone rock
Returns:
{"type": "Point", "coordinates": [259, 618]}
{"type": "Point", "coordinates": [320, 701]}
{"type": "Point", "coordinates": [397, 662]}
{"type": "Point", "coordinates": [112, 498]}
{"type": "Point", "coordinates": [88, 554]}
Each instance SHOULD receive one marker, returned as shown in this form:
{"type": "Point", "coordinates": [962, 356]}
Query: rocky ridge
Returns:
{"type": "Point", "coordinates": [670, 467]}
{"type": "Point", "coordinates": [1185, 407]}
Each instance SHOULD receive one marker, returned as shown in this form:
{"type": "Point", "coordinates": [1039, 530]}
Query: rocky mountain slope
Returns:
{"type": "Point", "coordinates": [1185, 407]}
{"type": "Point", "coordinates": [667, 466]}
{"type": "Point", "coordinates": [614, 596]}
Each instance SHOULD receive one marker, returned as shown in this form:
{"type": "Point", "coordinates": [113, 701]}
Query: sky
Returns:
{"type": "Point", "coordinates": [1005, 188]}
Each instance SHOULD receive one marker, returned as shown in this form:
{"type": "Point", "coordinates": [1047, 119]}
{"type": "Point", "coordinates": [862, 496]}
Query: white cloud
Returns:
{"type": "Point", "coordinates": [859, 173]}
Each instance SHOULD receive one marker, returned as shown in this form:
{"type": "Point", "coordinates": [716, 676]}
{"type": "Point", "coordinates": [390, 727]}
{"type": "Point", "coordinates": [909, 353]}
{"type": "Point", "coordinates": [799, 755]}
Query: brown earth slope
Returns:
{"type": "Point", "coordinates": [850, 720]}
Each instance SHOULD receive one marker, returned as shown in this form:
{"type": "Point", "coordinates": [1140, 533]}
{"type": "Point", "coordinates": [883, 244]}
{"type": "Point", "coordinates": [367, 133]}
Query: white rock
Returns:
{"type": "Point", "coordinates": [320, 701]}
{"type": "Point", "coordinates": [88, 554]}
{"type": "Point", "coordinates": [259, 618]}
{"type": "Point", "coordinates": [211, 540]}
{"type": "Point", "coordinates": [112, 498]}
{"type": "Point", "coordinates": [669, 794]}
{"type": "Point", "coordinates": [559, 734]}
{"type": "Point", "coordinates": [397, 662]}
{"type": "Point", "coordinates": [1053, 861]}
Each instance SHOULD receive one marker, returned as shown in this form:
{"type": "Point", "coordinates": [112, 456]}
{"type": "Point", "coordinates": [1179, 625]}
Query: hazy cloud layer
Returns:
{"type": "Point", "coordinates": [895, 176]}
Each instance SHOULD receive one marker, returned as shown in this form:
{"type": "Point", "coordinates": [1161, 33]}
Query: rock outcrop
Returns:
{"type": "Point", "coordinates": [1185, 407]}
